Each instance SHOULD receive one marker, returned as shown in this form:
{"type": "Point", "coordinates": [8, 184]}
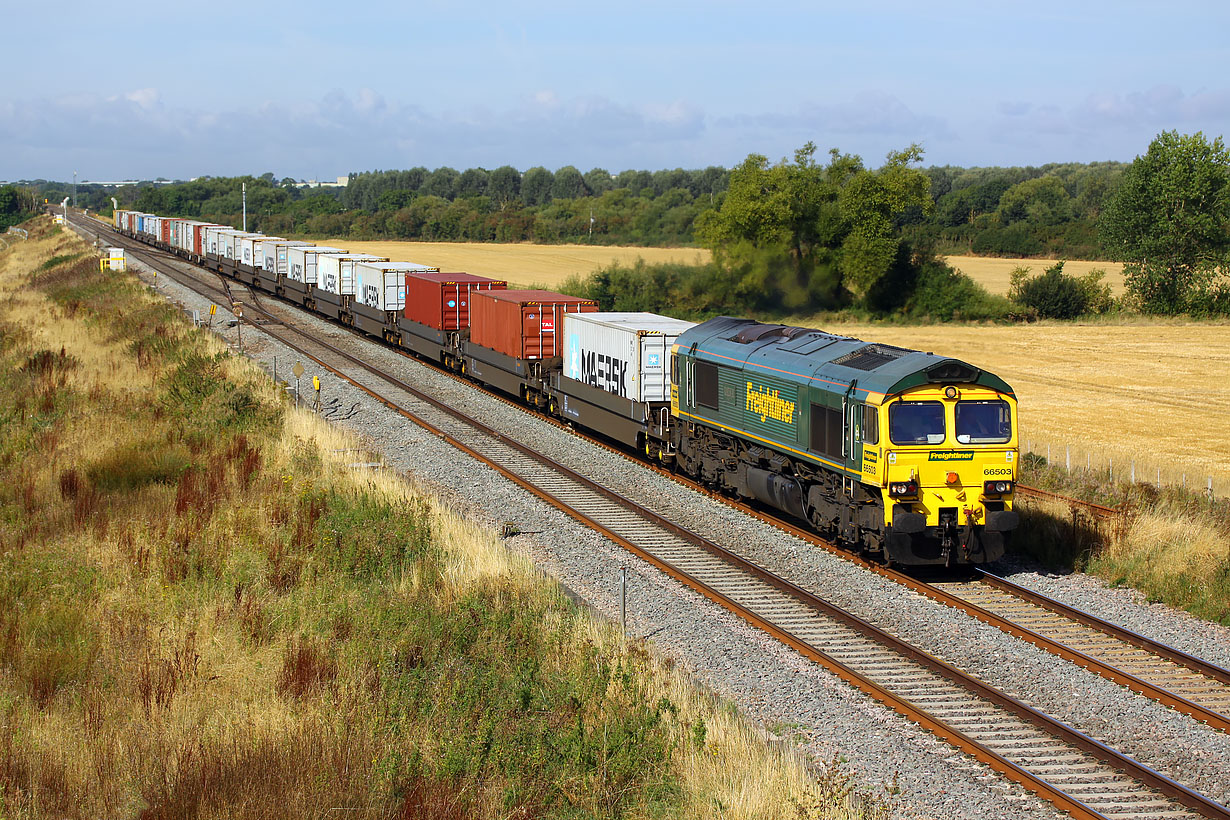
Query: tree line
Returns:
{"type": "Point", "coordinates": [1051, 210]}
{"type": "Point", "coordinates": [799, 234]}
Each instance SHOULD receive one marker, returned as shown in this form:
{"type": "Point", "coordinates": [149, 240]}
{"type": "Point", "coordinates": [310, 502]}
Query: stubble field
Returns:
{"type": "Point", "coordinates": [549, 265]}
{"type": "Point", "coordinates": [1096, 395]}
{"type": "Point", "coordinates": [1151, 393]}
{"type": "Point", "coordinates": [521, 264]}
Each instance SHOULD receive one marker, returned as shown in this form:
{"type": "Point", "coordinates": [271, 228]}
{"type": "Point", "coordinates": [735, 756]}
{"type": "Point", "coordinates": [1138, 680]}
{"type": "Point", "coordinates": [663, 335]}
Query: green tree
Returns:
{"type": "Point", "coordinates": [568, 184]}
{"type": "Point", "coordinates": [473, 182]}
{"type": "Point", "coordinates": [504, 185]}
{"type": "Point", "coordinates": [842, 214]}
{"type": "Point", "coordinates": [536, 186]}
{"type": "Point", "coordinates": [1040, 201]}
{"type": "Point", "coordinates": [1169, 220]}
{"type": "Point", "coordinates": [442, 183]}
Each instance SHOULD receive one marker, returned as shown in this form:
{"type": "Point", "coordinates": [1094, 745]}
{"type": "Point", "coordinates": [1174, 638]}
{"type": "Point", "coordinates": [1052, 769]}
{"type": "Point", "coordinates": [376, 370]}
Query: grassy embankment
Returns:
{"type": "Point", "coordinates": [204, 613]}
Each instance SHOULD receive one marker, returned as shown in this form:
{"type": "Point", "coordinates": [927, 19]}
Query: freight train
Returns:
{"type": "Point", "coordinates": [908, 457]}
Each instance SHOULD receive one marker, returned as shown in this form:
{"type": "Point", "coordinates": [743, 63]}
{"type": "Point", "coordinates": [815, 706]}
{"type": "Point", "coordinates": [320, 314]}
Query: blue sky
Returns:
{"type": "Point", "coordinates": [317, 89]}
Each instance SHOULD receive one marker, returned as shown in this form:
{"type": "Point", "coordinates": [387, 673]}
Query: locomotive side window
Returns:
{"type": "Point", "coordinates": [826, 431]}
{"type": "Point", "coordinates": [674, 370]}
{"type": "Point", "coordinates": [706, 377]}
{"type": "Point", "coordinates": [983, 422]}
{"type": "Point", "coordinates": [916, 422]}
{"type": "Point", "coordinates": [871, 425]}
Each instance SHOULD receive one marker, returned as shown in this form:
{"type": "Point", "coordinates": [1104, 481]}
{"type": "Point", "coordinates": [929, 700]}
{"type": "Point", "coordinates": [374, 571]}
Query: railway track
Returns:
{"type": "Point", "coordinates": [1075, 772]}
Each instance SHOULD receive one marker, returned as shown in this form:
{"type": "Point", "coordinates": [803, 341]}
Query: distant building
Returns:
{"type": "Point", "coordinates": [342, 182]}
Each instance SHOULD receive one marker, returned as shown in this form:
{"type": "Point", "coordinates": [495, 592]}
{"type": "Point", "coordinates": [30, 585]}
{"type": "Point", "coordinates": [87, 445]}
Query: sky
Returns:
{"type": "Point", "coordinates": [315, 90]}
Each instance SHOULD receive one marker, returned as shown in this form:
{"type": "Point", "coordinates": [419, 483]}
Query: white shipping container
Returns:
{"type": "Point", "coordinates": [301, 261]}
{"type": "Point", "coordinates": [382, 285]}
{"type": "Point", "coordinates": [213, 238]}
{"type": "Point", "coordinates": [628, 354]}
{"type": "Point", "coordinates": [273, 254]}
{"type": "Point", "coordinates": [247, 249]}
{"type": "Point", "coordinates": [336, 272]}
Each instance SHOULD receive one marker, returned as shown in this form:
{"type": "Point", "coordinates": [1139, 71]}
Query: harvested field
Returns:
{"type": "Point", "coordinates": [994, 274]}
{"type": "Point", "coordinates": [1151, 393]}
{"type": "Point", "coordinates": [521, 264]}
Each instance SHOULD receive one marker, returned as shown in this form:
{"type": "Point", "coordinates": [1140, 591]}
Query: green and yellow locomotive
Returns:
{"type": "Point", "coordinates": [902, 454]}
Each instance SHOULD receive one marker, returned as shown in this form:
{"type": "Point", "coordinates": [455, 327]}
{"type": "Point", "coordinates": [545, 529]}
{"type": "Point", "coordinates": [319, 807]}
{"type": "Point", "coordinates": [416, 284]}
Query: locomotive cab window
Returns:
{"type": "Point", "coordinates": [983, 422]}
{"type": "Point", "coordinates": [871, 424]}
{"type": "Point", "coordinates": [916, 422]}
{"type": "Point", "coordinates": [674, 370]}
{"type": "Point", "coordinates": [706, 377]}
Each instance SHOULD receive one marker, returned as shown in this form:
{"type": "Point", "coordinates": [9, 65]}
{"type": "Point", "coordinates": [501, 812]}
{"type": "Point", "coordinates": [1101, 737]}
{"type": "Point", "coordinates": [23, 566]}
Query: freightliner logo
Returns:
{"type": "Point", "coordinates": [769, 404]}
{"type": "Point", "coordinates": [950, 455]}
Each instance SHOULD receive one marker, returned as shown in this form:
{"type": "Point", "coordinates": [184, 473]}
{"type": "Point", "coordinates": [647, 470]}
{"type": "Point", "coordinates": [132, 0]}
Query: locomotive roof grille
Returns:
{"type": "Point", "coordinates": [871, 356]}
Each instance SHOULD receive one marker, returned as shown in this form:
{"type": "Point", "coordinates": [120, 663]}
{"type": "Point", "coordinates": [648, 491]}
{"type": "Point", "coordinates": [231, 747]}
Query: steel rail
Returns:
{"type": "Point", "coordinates": [1145, 687]}
{"type": "Point", "coordinates": [1107, 627]}
{"type": "Point", "coordinates": [1098, 750]}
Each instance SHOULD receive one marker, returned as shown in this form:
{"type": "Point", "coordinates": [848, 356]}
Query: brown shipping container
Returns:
{"type": "Point", "coordinates": [524, 324]}
{"type": "Point", "coordinates": [442, 300]}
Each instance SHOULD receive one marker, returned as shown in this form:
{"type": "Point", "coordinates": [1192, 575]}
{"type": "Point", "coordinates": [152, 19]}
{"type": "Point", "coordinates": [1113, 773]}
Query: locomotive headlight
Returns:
{"type": "Point", "coordinates": [997, 487]}
{"type": "Point", "coordinates": [899, 489]}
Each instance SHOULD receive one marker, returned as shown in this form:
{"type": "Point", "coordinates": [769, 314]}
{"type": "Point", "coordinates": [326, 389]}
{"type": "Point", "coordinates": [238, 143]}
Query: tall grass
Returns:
{"type": "Point", "coordinates": [204, 613]}
{"type": "Point", "coordinates": [1170, 543]}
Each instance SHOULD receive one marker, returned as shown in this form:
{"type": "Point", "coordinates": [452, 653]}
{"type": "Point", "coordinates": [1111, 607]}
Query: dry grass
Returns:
{"type": "Point", "coordinates": [520, 264]}
{"type": "Point", "coordinates": [1147, 392]}
{"type": "Point", "coordinates": [994, 274]}
{"type": "Point", "coordinates": [190, 644]}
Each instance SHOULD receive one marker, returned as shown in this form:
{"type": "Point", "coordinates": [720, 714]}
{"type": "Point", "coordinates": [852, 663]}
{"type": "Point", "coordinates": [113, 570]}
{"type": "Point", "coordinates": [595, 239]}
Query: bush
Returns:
{"type": "Point", "coordinates": [944, 294]}
{"type": "Point", "coordinates": [1055, 295]}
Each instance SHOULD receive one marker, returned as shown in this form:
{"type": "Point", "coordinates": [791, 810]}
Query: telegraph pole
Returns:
{"type": "Point", "coordinates": [245, 205]}
{"type": "Point", "coordinates": [74, 189]}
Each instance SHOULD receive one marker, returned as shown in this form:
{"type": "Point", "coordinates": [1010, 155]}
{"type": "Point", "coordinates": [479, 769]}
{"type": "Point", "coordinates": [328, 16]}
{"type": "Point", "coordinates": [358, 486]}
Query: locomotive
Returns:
{"type": "Point", "coordinates": [908, 457]}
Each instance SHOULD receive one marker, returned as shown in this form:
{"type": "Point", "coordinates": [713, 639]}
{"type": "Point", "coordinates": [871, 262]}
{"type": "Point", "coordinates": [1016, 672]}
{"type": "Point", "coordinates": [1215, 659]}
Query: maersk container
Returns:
{"type": "Point", "coordinates": [335, 273]}
{"type": "Point", "coordinates": [524, 324]}
{"type": "Point", "coordinates": [382, 285]}
{"type": "Point", "coordinates": [301, 261]}
{"type": "Point", "coordinates": [443, 300]}
{"type": "Point", "coordinates": [628, 354]}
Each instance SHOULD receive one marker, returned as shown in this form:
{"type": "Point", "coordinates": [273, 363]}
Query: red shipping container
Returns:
{"type": "Point", "coordinates": [524, 324]}
{"type": "Point", "coordinates": [164, 227]}
{"type": "Point", "coordinates": [442, 300]}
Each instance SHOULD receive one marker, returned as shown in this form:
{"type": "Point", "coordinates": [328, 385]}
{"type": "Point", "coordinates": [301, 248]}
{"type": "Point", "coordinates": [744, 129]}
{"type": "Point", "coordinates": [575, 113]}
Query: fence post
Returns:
{"type": "Point", "coordinates": [1110, 471]}
{"type": "Point", "coordinates": [623, 598]}
{"type": "Point", "coordinates": [1068, 457]}
{"type": "Point", "coordinates": [1133, 471]}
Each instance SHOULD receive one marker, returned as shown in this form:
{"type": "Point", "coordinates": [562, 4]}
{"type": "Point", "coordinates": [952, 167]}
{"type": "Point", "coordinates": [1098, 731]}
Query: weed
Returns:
{"type": "Point", "coordinates": [306, 668]}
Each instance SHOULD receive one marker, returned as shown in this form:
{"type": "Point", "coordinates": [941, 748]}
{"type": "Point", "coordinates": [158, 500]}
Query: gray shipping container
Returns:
{"type": "Point", "coordinates": [301, 261]}
{"type": "Point", "coordinates": [628, 354]}
{"type": "Point", "coordinates": [382, 285]}
{"type": "Point", "coordinates": [335, 273]}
